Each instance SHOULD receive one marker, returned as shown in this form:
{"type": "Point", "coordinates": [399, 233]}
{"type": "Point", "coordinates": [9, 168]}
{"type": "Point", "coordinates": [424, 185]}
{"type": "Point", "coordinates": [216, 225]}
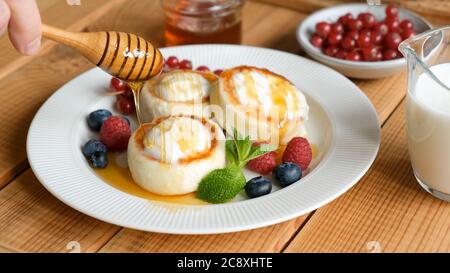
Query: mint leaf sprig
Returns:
{"type": "Point", "coordinates": [222, 185]}
{"type": "Point", "coordinates": [241, 150]}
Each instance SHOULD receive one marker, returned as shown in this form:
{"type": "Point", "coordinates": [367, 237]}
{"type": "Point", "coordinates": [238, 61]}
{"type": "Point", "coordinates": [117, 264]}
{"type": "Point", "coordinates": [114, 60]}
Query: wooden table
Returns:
{"type": "Point", "coordinates": [387, 210]}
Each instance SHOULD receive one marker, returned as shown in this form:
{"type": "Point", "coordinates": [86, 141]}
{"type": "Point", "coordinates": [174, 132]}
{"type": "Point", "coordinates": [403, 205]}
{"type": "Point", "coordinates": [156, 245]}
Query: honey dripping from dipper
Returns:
{"type": "Point", "coordinates": [143, 70]}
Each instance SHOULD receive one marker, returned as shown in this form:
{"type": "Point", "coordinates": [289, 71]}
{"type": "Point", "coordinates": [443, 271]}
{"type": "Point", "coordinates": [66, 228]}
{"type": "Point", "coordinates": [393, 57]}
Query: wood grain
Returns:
{"type": "Point", "coordinates": [385, 94]}
{"type": "Point", "coordinates": [387, 206]}
{"type": "Point", "coordinates": [75, 18]}
{"type": "Point", "coordinates": [7, 249]}
{"type": "Point", "coordinates": [27, 88]}
{"type": "Point", "coordinates": [268, 239]}
{"type": "Point", "coordinates": [123, 55]}
{"type": "Point", "coordinates": [33, 220]}
{"type": "Point", "coordinates": [432, 8]}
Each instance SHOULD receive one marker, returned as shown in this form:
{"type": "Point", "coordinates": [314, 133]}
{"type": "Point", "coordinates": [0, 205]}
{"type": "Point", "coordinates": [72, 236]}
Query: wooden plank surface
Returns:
{"type": "Point", "coordinates": [33, 220]}
{"type": "Point", "coordinates": [27, 88]}
{"type": "Point", "coordinates": [59, 61]}
{"type": "Point", "coordinates": [57, 13]}
{"type": "Point", "coordinates": [267, 239]}
{"type": "Point", "coordinates": [432, 8]}
{"type": "Point", "coordinates": [387, 207]}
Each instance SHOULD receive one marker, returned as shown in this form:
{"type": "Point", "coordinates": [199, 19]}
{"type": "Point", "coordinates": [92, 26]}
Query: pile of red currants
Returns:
{"type": "Point", "coordinates": [125, 100]}
{"type": "Point", "coordinates": [173, 63]}
{"type": "Point", "coordinates": [363, 38]}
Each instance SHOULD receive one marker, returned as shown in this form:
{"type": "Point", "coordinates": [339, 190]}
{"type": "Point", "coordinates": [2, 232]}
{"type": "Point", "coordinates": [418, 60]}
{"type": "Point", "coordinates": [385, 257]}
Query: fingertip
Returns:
{"type": "Point", "coordinates": [32, 47]}
{"type": "Point", "coordinates": [5, 14]}
{"type": "Point", "coordinates": [25, 47]}
{"type": "Point", "coordinates": [24, 26]}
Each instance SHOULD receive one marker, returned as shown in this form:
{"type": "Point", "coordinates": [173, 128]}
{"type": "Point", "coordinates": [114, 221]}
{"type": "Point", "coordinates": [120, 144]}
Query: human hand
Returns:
{"type": "Point", "coordinates": [22, 20]}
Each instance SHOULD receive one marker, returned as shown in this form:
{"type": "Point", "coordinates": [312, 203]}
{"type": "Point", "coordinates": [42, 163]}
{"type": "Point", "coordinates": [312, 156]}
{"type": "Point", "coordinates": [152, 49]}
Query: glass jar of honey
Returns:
{"type": "Point", "coordinates": [202, 21]}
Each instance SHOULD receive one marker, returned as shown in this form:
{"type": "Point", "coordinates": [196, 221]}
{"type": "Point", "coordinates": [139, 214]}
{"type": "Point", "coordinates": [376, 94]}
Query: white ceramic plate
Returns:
{"type": "Point", "coordinates": [343, 124]}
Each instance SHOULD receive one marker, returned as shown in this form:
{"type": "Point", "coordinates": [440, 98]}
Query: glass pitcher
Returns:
{"type": "Point", "coordinates": [428, 109]}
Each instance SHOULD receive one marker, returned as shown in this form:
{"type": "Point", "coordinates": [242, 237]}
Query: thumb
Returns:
{"type": "Point", "coordinates": [5, 14]}
{"type": "Point", "coordinates": [25, 26]}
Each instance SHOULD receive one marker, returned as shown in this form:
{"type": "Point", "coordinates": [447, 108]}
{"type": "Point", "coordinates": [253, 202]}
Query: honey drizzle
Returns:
{"type": "Point", "coordinates": [120, 178]}
{"type": "Point", "coordinates": [136, 88]}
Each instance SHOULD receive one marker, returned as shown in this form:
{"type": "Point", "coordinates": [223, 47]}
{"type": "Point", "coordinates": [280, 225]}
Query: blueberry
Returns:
{"type": "Point", "coordinates": [99, 160]}
{"type": "Point", "coordinates": [95, 119]}
{"type": "Point", "coordinates": [287, 173]}
{"type": "Point", "coordinates": [258, 186]}
{"type": "Point", "coordinates": [92, 147]}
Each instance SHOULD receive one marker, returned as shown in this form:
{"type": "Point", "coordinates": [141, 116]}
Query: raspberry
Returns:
{"type": "Point", "coordinates": [298, 151]}
{"type": "Point", "coordinates": [115, 133]}
{"type": "Point", "coordinates": [263, 164]}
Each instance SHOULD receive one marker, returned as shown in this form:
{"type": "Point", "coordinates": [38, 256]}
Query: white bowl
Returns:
{"type": "Point", "coordinates": [360, 70]}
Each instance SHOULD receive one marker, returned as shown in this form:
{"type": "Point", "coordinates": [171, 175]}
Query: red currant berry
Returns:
{"type": "Point", "coordinates": [185, 64]}
{"type": "Point", "coordinates": [331, 50]}
{"type": "Point", "coordinates": [392, 24]}
{"type": "Point", "coordinates": [368, 20]}
{"type": "Point", "coordinates": [128, 92]}
{"type": "Point", "coordinates": [203, 68]}
{"type": "Point", "coordinates": [125, 105]}
{"type": "Point", "coordinates": [334, 38]}
{"type": "Point", "coordinates": [353, 56]}
{"type": "Point", "coordinates": [391, 11]}
{"type": "Point", "coordinates": [344, 18]}
{"type": "Point", "coordinates": [406, 24]}
{"type": "Point", "coordinates": [337, 28]}
{"type": "Point", "coordinates": [354, 34]}
{"type": "Point", "coordinates": [218, 72]}
{"type": "Point", "coordinates": [348, 43]}
{"type": "Point", "coordinates": [341, 54]}
{"type": "Point", "coordinates": [364, 40]}
{"type": "Point", "coordinates": [355, 24]}
{"type": "Point", "coordinates": [369, 53]}
{"type": "Point", "coordinates": [379, 56]}
{"type": "Point", "coordinates": [117, 85]}
{"type": "Point", "coordinates": [172, 62]}
{"type": "Point", "coordinates": [360, 15]}
{"type": "Point", "coordinates": [392, 40]}
{"type": "Point", "coordinates": [390, 54]}
{"type": "Point", "coordinates": [382, 28]}
{"type": "Point", "coordinates": [365, 32]}
{"type": "Point", "coordinates": [323, 29]}
{"type": "Point", "coordinates": [376, 38]}
{"type": "Point", "coordinates": [407, 33]}
{"type": "Point", "coordinates": [317, 41]}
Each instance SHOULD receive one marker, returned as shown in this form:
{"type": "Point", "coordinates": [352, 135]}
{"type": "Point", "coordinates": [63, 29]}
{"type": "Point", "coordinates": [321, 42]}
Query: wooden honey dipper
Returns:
{"type": "Point", "coordinates": [123, 55]}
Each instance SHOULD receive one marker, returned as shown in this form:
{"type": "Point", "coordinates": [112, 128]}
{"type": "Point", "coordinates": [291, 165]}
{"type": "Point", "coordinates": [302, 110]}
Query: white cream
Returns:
{"type": "Point", "coordinates": [428, 125]}
{"type": "Point", "coordinates": [176, 138]}
{"type": "Point", "coordinates": [161, 177]}
{"type": "Point", "coordinates": [257, 89]}
{"type": "Point", "coordinates": [181, 86]}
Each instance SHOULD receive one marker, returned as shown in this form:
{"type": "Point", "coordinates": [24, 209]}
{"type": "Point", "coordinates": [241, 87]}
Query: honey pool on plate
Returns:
{"type": "Point", "coordinates": [119, 177]}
